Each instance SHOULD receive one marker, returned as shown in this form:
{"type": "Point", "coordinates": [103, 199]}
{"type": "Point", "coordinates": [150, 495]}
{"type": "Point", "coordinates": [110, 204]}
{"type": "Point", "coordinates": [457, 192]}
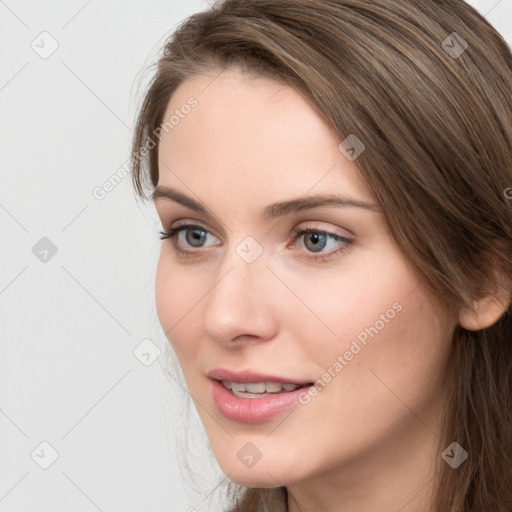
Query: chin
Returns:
{"type": "Point", "coordinates": [255, 478]}
{"type": "Point", "coordinates": [267, 472]}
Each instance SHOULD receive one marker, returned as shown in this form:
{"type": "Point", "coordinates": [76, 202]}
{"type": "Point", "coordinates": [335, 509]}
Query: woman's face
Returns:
{"type": "Point", "coordinates": [280, 286]}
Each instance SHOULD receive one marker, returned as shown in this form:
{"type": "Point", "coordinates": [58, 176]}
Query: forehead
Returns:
{"type": "Point", "coordinates": [252, 131]}
{"type": "Point", "coordinates": [254, 105]}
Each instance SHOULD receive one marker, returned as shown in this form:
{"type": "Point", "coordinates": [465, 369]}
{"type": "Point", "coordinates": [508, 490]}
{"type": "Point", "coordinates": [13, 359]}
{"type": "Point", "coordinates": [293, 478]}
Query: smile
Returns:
{"type": "Point", "coordinates": [254, 402]}
{"type": "Point", "coordinates": [258, 389]}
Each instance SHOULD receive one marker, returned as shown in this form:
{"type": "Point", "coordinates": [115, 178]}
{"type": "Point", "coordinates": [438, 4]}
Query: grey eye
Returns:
{"type": "Point", "coordinates": [195, 237]}
{"type": "Point", "coordinates": [315, 241]}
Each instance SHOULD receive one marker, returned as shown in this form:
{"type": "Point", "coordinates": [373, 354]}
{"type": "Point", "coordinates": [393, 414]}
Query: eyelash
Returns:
{"type": "Point", "coordinates": [173, 231]}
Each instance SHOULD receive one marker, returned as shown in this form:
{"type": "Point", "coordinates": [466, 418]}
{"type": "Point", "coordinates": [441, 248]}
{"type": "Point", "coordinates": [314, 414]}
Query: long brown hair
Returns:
{"type": "Point", "coordinates": [427, 87]}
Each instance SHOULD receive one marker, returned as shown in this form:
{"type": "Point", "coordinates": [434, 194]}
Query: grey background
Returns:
{"type": "Point", "coordinates": [71, 319]}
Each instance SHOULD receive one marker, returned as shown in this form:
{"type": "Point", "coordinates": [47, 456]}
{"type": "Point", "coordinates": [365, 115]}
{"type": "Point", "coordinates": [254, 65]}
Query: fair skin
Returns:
{"type": "Point", "coordinates": [368, 440]}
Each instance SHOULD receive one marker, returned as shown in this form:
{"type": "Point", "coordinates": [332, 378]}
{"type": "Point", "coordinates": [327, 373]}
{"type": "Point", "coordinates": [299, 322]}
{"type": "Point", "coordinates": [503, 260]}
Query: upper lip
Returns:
{"type": "Point", "coordinates": [248, 376]}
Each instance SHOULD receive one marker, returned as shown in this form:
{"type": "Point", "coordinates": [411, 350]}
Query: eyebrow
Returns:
{"type": "Point", "coordinates": [274, 210]}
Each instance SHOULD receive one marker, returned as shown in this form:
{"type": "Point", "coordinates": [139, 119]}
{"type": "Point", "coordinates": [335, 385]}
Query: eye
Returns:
{"type": "Point", "coordinates": [189, 235]}
{"type": "Point", "coordinates": [313, 241]}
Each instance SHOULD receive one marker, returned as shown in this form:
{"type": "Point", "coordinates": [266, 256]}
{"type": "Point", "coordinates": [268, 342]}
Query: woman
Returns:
{"type": "Point", "coordinates": [333, 178]}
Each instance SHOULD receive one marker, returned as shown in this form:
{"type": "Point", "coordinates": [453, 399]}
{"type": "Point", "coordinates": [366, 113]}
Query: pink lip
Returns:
{"type": "Point", "coordinates": [250, 376]}
{"type": "Point", "coordinates": [251, 410]}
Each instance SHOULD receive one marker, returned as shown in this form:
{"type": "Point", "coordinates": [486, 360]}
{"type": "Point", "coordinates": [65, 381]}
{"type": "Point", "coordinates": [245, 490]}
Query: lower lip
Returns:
{"type": "Point", "coordinates": [253, 410]}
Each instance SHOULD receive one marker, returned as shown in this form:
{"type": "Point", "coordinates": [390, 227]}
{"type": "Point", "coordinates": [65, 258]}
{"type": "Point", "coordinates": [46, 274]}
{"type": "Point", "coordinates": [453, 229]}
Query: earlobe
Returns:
{"type": "Point", "coordinates": [485, 312]}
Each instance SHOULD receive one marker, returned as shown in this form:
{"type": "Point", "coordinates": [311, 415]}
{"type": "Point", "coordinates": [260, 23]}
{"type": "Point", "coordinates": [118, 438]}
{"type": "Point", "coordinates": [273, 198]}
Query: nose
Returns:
{"type": "Point", "coordinates": [240, 306]}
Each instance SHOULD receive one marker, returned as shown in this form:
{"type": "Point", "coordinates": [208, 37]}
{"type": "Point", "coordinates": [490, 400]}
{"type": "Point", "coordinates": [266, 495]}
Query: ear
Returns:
{"type": "Point", "coordinates": [486, 310]}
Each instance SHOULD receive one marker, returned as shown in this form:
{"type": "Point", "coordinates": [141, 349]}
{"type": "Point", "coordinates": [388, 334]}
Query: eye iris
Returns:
{"type": "Point", "coordinates": [195, 237]}
{"type": "Point", "coordinates": [318, 240]}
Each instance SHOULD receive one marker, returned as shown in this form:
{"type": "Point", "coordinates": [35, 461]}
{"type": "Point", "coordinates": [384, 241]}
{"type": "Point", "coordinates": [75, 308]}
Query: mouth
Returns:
{"type": "Point", "coordinates": [260, 389]}
{"type": "Point", "coordinates": [250, 397]}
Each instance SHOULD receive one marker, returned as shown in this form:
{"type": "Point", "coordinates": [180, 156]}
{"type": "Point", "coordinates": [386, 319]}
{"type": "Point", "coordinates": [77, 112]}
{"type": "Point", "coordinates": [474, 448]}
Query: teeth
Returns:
{"type": "Point", "coordinates": [255, 388]}
{"type": "Point", "coordinates": [235, 386]}
{"type": "Point", "coordinates": [273, 387]}
{"type": "Point", "coordinates": [250, 395]}
{"type": "Point", "coordinates": [258, 389]}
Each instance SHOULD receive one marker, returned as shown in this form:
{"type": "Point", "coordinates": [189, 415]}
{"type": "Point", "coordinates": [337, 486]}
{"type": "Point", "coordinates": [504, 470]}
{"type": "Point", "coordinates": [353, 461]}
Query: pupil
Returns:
{"type": "Point", "coordinates": [318, 242]}
{"type": "Point", "coordinates": [195, 236]}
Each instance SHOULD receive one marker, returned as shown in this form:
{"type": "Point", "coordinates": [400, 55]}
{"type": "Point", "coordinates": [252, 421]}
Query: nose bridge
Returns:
{"type": "Point", "coordinates": [243, 272]}
{"type": "Point", "coordinates": [239, 302]}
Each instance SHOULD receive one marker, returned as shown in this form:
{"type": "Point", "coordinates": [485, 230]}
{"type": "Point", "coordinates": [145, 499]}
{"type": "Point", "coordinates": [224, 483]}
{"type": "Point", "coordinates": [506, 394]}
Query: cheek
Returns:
{"type": "Point", "coordinates": [391, 348]}
{"type": "Point", "coordinates": [356, 301]}
{"type": "Point", "coordinates": [176, 297]}
{"type": "Point", "coordinates": [375, 316]}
